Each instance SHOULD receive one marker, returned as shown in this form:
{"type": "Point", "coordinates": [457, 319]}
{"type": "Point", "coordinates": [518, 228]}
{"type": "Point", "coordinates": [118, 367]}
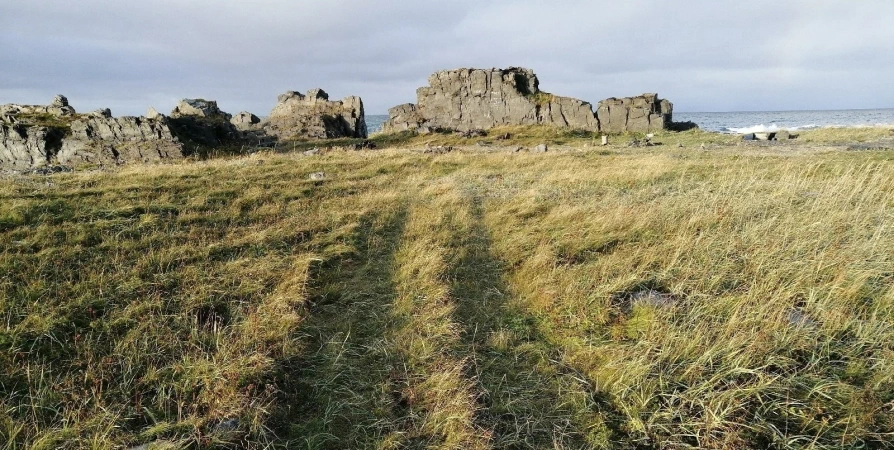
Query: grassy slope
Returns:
{"type": "Point", "coordinates": [467, 300]}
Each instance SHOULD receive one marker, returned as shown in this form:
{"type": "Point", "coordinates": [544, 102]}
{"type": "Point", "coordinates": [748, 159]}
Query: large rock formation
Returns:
{"type": "Point", "coordinates": [314, 116]}
{"type": "Point", "coordinates": [469, 99]}
{"type": "Point", "coordinates": [109, 140]}
{"type": "Point", "coordinates": [645, 113]}
{"type": "Point", "coordinates": [35, 136]}
{"type": "Point", "coordinates": [200, 122]}
{"type": "Point", "coordinates": [24, 147]}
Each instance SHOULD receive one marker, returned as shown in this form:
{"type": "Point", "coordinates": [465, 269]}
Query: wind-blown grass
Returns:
{"type": "Point", "coordinates": [622, 298]}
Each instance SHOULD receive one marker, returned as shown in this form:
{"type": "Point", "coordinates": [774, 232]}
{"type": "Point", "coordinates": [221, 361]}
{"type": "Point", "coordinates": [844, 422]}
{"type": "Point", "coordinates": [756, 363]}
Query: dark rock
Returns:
{"type": "Point", "coordinates": [748, 137]}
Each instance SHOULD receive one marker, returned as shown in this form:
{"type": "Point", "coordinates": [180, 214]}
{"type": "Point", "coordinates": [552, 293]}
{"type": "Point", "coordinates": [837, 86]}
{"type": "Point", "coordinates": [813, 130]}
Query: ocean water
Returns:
{"type": "Point", "coordinates": [757, 121]}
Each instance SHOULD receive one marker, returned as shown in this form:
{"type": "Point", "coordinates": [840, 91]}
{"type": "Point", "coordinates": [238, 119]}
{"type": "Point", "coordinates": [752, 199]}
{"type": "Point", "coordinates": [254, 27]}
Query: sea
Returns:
{"type": "Point", "coordinates": [743, 122]}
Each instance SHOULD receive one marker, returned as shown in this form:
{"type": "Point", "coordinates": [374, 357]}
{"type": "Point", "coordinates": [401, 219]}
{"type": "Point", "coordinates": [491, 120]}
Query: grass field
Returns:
{"type": "Point", "coordinates": [611, 297]}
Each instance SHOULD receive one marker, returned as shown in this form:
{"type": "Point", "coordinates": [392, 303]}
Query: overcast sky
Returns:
{"type": "Point", "coordinates": [703, 55]}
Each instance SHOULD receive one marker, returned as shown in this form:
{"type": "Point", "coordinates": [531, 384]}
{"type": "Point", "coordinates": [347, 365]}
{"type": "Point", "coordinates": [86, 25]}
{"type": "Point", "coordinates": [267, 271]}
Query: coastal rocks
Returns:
{"type": "Point", "coordinates": [470, 99]}
{"type": "Point", "coordinates": [32, 137]}
{"type": "Point", "coordinates": [107, 140]}
{"type": "Point", "coordinates": [645, 113]}
{"type": "Point", "coordinates": [314, 116]}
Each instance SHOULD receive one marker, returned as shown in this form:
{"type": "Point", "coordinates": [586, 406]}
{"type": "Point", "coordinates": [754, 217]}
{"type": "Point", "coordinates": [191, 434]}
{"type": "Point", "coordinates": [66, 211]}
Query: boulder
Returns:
{"type": "Point", "coordinates": [198, 107]}
{"type": "Point", "coordinates": [58, 107]}
{"type": "Point", "coordinates": [245, 120]}
{"type": "Point", "coordinates": [542, 148]}
{"type": "Point", "coordinates": [469, 99]}
{"type": "Point", "coordinates": [104, 112]}
{"type": "Point", "coordinates": [314, 116]}
{"type": "Point", "coordinates": [783, 135]}
{"type": "Point", "coordinates": [645, 113]}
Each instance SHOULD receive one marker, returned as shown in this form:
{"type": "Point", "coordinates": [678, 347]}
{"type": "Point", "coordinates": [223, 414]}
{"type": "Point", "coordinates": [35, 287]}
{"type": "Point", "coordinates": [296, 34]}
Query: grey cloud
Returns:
{"type": "Point", "coordinates": [702, 54]}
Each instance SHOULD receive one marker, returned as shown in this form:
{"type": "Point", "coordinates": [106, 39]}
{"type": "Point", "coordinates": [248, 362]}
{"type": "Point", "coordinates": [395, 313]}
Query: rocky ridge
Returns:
{"type": "Point", "coordinates": [471, 99]}
{"type": "Point", "coordinates": [315, 116]}
{"type": "Point", "coordinates": [33, 136]}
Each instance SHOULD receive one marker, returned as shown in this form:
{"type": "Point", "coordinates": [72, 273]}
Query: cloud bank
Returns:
{"type": "Point", "coordinates": [704, 55]}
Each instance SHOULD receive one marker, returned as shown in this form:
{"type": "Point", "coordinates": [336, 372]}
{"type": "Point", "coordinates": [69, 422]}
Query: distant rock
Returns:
{"type": "Point", "coordinates": [153, 114]}
{"type": "Point", "coordinates": [201, 123]}
{"type": "Point", "coordinates": [58, 107]}
{"type": "Point", "coordinates": [314, 116]}
{"type": "Point", "coordinates": [782, 135]}
{"type": "Point", "coordinates": [470, 99]}
{"type": "Point", "coordinates": [198, 107]}
{"type": "Point", "coordinates": [644, 113]}
{"type": "Point", "coordinates": [480, 99]}
{"type": "Point", "coordinates": [104, 112]}
{"type": "Point", "coordinates": [245, 120]}
{"type": "Point", "coordinates": [542, 148]}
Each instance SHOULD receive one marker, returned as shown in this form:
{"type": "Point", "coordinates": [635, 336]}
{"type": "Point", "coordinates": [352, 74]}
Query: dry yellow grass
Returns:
{"type": "Point", "coordinates": [659, 297]}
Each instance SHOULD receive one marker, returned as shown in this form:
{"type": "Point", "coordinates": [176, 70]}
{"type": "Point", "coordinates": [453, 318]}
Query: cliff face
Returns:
{"type": "Point", "coordinates": [107, 140]}
{"type": "Point", "coordinates": [314, 116]}
{"type": "Point", "coordinates": [468, 99]}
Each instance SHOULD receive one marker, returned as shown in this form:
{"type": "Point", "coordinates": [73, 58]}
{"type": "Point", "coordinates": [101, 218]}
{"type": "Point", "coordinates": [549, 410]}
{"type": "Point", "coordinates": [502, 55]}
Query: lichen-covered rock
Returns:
{"type": "Point", "coordinates": [468, 99]}
{"type": "Point", "coordinates": [314, 116]}
{"type": "Point", "coordinates": [645, 113]}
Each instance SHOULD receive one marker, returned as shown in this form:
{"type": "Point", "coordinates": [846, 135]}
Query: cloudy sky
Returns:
{"type": "Point", "coordinates": [704, 55]}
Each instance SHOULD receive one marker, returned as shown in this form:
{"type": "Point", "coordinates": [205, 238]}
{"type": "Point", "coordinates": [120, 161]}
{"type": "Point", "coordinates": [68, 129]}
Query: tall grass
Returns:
{"type": "Point", "coordinates": [624, 298]}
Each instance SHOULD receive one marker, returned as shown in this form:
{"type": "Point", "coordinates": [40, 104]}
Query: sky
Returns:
{"type": "Point", "coordinates": [703, 55]}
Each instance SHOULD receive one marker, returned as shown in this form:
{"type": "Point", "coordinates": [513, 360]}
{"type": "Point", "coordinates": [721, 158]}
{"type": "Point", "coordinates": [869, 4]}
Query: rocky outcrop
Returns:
{"type": "Point", "coordinates": [645, 113]}
{"type": "Point", "coordinates": [297, 116]}
{"type": "Point", "coordinates": [469, 99]}
{"type": "Point", "coordinates": [245, 121]}
{"type": "Point", "coordinates": [36, 136]}
{"type": "Point", "coordinates": [108, 140]}
{"type": "Point", "coordinates": [198, 107]}
{"type": "Point", "coordinates": [58, 107]}
{"type": "Point", "coordinates": [199, 122]}
{"type": "Point", "coordinates": [24, 147]}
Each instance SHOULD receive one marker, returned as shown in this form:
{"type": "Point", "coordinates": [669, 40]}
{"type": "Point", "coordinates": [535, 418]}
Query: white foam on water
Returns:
{"type": "Point", "coordinates": [773, 128]}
